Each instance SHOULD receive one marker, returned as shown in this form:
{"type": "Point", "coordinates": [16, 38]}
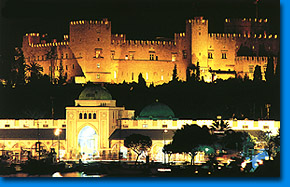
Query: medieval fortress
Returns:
{"type": "Point", "coordinates": [91, 53]}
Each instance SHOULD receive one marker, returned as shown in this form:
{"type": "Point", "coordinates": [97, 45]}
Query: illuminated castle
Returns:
{"type": "Point", "coordinates": [91, 53]}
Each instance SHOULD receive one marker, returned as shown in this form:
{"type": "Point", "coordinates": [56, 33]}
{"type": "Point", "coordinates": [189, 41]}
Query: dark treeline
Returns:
{"type": "Point", "coordinates": [233, 98]}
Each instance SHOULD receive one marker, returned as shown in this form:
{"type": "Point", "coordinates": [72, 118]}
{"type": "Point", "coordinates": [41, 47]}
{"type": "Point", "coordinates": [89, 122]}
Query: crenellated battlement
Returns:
{"type": "Point", "coordinates": [66, 43]}
{"type": "Point", "coordinates": [197, 21]}
{"type": "Point", "coordinates": [250, 20]}
{"type": "Point", "coordinates": [179, 35]}
{"type": "Point", "coordinates": [95, 22]}
{"type": "Point", "coordinates": [255, 59]}
{"type": "Point", "coordinates": [228, 35]}
{"type": "Point", "coordinates": [143, 43]}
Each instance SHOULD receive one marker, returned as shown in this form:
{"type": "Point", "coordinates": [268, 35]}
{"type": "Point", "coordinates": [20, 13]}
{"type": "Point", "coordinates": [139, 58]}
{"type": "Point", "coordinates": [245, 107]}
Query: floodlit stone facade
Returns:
{"type": "Point", "coordinates": [91, 53]}
{"type": "Point", "coordinates": [95, 128]}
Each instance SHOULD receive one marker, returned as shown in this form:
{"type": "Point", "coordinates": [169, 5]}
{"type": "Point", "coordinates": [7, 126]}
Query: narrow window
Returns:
{"type": "Point", "coordinates": [151, 57]}
{"type": "Point", "coordinates": [132, 76]}
{"type": "Point", "coordinates": [90, 116]}
{"type": "Point", "coordinates": [66, 55]}
{"type": "Point", "coordinates": [85, 116]}
{"type": "Point", "coordinates": [210, 55]}
{"type": "Point", "coordinates": [173, 57]}
{"type": "Point", "coordinates": [224, 56]}
{"type": "Point", "coordinates": [115, 74]}
{"type": "Point", "coordinates": [98, 52]}
{"type": "Point", "coordinates": [94, 116]}
{"type": "Point", "coordinates": [156, 57]}
{"type": "Point", "coordinates": [126, 57]}
{"type": "Point", "coordinates": [66, 67]}
{"type": "Point", "coordinates": [98, 76]}
{"type": "Point", "coordinates": [184, 54]}
{"type": "Point", "coordinates": [73, 66]}
{"type": "Point", "coordinates": [80, 116]}
{"type": "Point", "coordinates": [98, 65]}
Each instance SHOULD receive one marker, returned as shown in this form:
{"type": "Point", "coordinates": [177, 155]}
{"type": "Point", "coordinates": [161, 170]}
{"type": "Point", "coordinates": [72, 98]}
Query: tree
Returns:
{"type": "Point", "coordinates": [61, 78]}
{"type": "Point", "coordinates": [269, 75]}
{"type": "Point", "coordinates": [52, 56]}
{"type": "Point", "coordinates": [141, 80]}
{"type": "Point", "coordinates": [35, 71]}
{"type": "Point", "coordinates": [174, 74]}
{"type": "Point", "coordinates": [188, 139]}
{"type": "Point", "coordinates": [138, 143]}
{"type": "Point", "coordinates": [18, 67]}
{"type": "Point", "coordinates": [257, 73]}
{"type": "Point", "coordinates": [220, 126]}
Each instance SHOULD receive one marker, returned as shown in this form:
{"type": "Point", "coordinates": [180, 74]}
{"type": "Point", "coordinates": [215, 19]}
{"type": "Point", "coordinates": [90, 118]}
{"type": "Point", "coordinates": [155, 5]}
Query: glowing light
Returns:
{"type": "Point", "coordinates": [57, 132]}
{"type": "Point", "coordinates": [164, 169]}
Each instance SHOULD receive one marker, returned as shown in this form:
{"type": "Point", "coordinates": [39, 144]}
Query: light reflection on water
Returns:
{"type": "Point", "coordinates": [57, 174]}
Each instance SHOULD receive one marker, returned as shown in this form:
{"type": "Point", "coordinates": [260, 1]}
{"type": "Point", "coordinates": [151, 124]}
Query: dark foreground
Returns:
{"type": "Point", "coordinates": [129, 169]}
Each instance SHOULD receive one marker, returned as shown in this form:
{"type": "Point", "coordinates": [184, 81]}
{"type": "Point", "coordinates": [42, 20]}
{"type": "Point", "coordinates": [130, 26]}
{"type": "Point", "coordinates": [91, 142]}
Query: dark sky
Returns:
{"type": "Point", "coordinates": [139, 19]}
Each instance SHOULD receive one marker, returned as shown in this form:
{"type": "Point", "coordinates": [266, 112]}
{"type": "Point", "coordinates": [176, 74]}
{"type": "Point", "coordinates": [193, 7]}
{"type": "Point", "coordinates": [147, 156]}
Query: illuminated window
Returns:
{"type": "Point", "coordinates": [98, 65]}
{"type": "Point", "coordinates": [145, 126]}
{"type": "Point", "coordinates": [131, 56]}
{"type": "Point", "coordinates": [224, 55]}
{"type": "Point", "coordinates": [85, 116]}
{"type": "Point", "coordinates": [251, 68]}
{"type": "Point", "coordinates": [209, 55]}
{"type": "Point", "coordinates": [151, 57]}
{"type": "Point", "coordinates": [98, 52]}
{"type": "Point", "coordinates": [112, 54]}
{"type": "Point", "coordinates": [90, 116]}
{"type": "Point", "coordinates": [80, 116]}
{"type": "Point", "coordinates": [115, 74]}
{"type": "Point", "coordinates": [126, 57]}
{"type": "Point", "coordinates": [184, 54]}
{"type": "Point", "coordinates": [162, 77]}
{"type": "Point", "coordinates": [173, 57]}
{"type": "Point", "coordinates": [98, 76]}
{"type": "Point", "coordinates": [146, 76]}
{"type": "Point", "coordinates": [266, 127]}
{"type": "Point", "coordinates": [94, 116]}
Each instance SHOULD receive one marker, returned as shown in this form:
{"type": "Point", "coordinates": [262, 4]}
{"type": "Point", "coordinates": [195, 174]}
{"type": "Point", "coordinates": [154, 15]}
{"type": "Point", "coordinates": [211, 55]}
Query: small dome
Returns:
{"type": "Point", "coordinates": [95, 92]}
{"type": "Point", "coordinates": [156, 110]}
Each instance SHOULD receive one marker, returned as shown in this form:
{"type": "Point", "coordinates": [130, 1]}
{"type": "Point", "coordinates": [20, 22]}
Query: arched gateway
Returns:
{"type": "Point", "coordinates": [91, 122]}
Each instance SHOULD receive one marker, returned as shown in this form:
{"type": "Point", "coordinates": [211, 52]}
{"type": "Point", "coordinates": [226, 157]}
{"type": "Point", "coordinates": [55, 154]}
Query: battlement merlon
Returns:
{"type": "Point", "coordinates": [252, 20]}
{"type": "Point", "coordinates": [104, 21]}
{"type": "Point", "coordinates": [250, 59]}
{"type": "Point", "coordinates": [143, 43]}
{"type": "Point", "coordinates": [197, 21]}
{"type": "Point", "coordinates": [229, 35]}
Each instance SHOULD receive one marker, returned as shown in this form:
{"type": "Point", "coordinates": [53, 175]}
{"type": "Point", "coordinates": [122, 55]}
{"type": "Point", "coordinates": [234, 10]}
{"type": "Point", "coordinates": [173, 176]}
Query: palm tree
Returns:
{"type": "Point", "coordinates": [220, 126]}
{"type": "Point", "coordinates": [35, 70]}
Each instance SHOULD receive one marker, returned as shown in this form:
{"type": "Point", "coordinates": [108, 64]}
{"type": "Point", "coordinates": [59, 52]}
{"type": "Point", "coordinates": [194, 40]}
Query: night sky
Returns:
{"type": "Point", "coordinates": [139, 19]}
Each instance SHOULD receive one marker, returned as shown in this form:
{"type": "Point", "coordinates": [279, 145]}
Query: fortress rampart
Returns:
{"type": "Point", "coordinates": [94, 53]}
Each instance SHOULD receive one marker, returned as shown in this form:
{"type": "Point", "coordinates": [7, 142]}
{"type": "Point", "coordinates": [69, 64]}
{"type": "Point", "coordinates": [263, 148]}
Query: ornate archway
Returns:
{"type": "Point", "coordinates": [87, 142]}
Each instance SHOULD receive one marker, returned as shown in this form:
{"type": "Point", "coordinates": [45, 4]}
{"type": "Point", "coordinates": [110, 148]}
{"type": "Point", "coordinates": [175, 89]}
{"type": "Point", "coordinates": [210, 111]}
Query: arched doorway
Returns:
{"type": "Point", "coordinates": [88, 143]}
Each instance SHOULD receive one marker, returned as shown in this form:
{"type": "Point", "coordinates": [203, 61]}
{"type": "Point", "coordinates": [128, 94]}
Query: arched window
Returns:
{"type": "Point", "coordinates": [90, 116]}
{"type": "Point", "coordinates": [85, 116]}
{"type": "Point", "coordinates": [94, 116]}
{"type": "Point", "coordinates": [81, 116]}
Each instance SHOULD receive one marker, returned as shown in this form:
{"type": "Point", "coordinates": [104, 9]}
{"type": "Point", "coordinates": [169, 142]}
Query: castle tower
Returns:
{"type": "Point", "coordinates": [90, 43]}
{"type": "Point", "coordinates": [197, 37]}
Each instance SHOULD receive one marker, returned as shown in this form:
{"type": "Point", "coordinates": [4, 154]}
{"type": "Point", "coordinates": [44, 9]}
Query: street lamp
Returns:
{"type": "Point", "coordinates": [57, 133]}
{"type": "Point", "coordinates": [165, 131]}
